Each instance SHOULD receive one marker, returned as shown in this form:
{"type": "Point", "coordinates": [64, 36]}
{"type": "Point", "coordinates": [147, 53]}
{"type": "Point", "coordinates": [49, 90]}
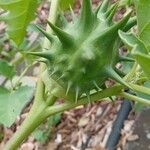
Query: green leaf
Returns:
{"type": "Point", "coordinates": [131, 41]}
{"type": "Point", "coordinates": [145, 35]}
{"type": "Point", "coordinates": [144, 61]}
{"type": "Point", "coordinates": [44, 131]}
{"type": "Point", "coordinates": [65, 4]}
{"type": "Point", "coordinates": [143, 13]}
{"type": "Point", "coordinates": [12, 103]}
{"type": "Point", "coordinates": [139, 106]}
{"type": "Point", "coordinates": [143, 17]}
{"type": "Point", "coordinates": [18, 16]}
{"type": "Point", "coordinates": [41, 135]}
{"type": "Point", "coordinates": [139, 50]}
{"type": "Point", "coordinates": [54, 120]}
{"type": "Point", "coordinates": [125, 2]}
{"type": "Point", "coordinates": [3, 90]}
{"type": "Point", "coordinates": [6, 69]}
{"type": "Point", "coordinates": [126, 66]}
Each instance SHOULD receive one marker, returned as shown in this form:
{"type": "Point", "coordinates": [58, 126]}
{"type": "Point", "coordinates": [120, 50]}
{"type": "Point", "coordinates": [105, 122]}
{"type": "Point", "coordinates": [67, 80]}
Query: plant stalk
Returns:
{"type": "Point", "coordinates": [84, 100]}
{"type": "Point", "coordinates": [34, 119]}
{"type": "Point", "coordinates": [141, 89]}
{"type": "Point", "coordinates": [135, 98]}
{"type": "Point", "coordinates": [40, 111]}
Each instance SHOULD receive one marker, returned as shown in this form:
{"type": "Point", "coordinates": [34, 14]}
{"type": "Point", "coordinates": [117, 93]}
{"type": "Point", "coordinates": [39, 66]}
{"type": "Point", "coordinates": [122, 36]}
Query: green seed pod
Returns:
{"type": "Point", "coordinates": [83, 55]}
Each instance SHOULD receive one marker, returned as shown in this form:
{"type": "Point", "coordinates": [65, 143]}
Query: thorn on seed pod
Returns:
{"type": "Point", "coordinates": [88, 96]}
{"type": "Point", "coordinates": [96, 85]}
{"type": "Point", "coordinates": [65, 38]}
{"type": "Point", "coordinates": [112, 13]}
{"type": "Point", "coordinates": [46, 54]}
{"type": "Point", "coordinates": [54, 72]}
{"type": "Point", "coordinates": [104, 6]}
{"type": "Point", "coordinates": [77, 94]}
{"type": "Point", "coordinates": [68, 87]}
{"type": "Point", "coordinates": [112, 33]}
{"type": "Point", "coordinates": [87, 16]}
{"type": "Point", "coordinates": [74, 18]}
{"type": "Point", "coordinates": [47, 35]}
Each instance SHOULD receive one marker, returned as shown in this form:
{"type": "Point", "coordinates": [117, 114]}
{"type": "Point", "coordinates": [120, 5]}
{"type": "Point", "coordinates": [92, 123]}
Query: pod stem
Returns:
{"type": "Point", "coordinates": [41, 110]}
{"type": "Point", "coordinates": [84, 100]}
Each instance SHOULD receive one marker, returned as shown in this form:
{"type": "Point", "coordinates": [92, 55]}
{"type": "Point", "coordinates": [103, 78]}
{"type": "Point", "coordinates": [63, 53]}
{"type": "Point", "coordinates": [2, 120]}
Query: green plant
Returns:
{"type": "Point", "coordinates": [86, 41]}
{"type": "Point", "coordinates": [45, 131]}
{"type": "Point", "coordinates": [79, 60]}
{"type": "Point", "coordinates": [17, 19]}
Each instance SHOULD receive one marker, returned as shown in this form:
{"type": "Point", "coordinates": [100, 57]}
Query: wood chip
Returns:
{"type": "Point", "coordinates": [133, 137]}
{"type": "Point", "coordinates": [83, 121]}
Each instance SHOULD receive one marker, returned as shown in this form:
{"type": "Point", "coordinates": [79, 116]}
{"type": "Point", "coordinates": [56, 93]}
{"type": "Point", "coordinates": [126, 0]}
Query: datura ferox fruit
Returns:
{"type": "Point", "coordinates": [84, 54]}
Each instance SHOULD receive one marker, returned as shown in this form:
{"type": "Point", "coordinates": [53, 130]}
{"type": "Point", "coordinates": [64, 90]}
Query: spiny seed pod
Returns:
{"type": "Point", "coordinates": [83, 55]}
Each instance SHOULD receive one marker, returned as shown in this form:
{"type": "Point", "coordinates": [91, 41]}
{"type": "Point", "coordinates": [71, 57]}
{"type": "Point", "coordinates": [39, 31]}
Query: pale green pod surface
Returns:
{"type": "Point", "coordinates": [83, 55]}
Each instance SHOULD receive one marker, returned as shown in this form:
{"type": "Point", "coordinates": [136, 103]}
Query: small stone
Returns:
{"type": "Point", "coordinates": [52, 146]}
{"type": "Point", "coordinates": [83, 121]}
{"type": "Point", "coordinates": [133, 137]}
{"type": "Point", "coordinates": [58, 139]}
{"type": "Point", "coordinates": [27, 146]}
{"type": "Point", "coordinates": [99, 112]}
{"type": "Point", "coordinates": [148, 136]}
{"type": "Point", "coordinates": [128, 125]}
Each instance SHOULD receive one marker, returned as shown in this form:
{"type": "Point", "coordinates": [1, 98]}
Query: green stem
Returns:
{"type": "Point", "coordinates": [141, 80]}
{"type": "Point", "coordinates": [135, 98]}
{"type": "Point", "coordinates": [141, 89]}
{"type": "Point", "coordinates": [18, 59]}
{"type": "Point", "coordinates": [40, 111]}
{"type": "Point", "coordinates": [21, 76]}
{"type": "Point", "coordinates": [34, 119]}
{"type": "Point", "coordinates": [51, 100]}
{"type": "Point", "coordinates": [94, 97]}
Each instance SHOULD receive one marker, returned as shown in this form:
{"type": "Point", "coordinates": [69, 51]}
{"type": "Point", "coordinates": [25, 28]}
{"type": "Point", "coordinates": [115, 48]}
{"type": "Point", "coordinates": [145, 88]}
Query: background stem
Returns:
{"type": "Point", "coordinates": [135, 98]}
{"type": "Point", "coordinates": [141, 89]}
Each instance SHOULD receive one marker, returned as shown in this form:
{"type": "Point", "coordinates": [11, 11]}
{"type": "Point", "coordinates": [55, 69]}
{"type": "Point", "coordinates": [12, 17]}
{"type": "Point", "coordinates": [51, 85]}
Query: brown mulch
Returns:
{"type": "Point", "coordinates": [84, 128]}
{"type": "Point", "coordinates": [88, 127]}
